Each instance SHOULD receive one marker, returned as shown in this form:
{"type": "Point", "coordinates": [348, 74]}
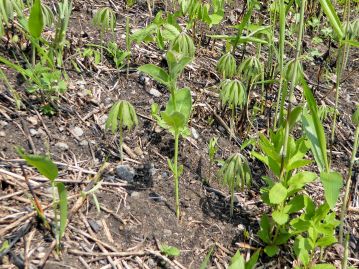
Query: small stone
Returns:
{"type": "Point", "coordinates": [151, 263]}
{"type": "Point", "coordinates": [158, 129]}
{"type": "Point", "coordinates": [135, 194]}
{"type": "Point", "coordinates": [194, 133]}
{"type": "Point", "coordinates": [33, 132]}
{"type": "Point", "coordinates": [164, 175]}
{"type": "Point", "coordinates": [155, 92]}
{"type": "Point", "coordinates": [96, 227]}
{"type": "Point", "coordinates": [167, 232]}
{"type": "Point", "coordinates": [62, 146]}
{"type": "Point", "coordinates": [84, 143]}
{"type": "Point", "coordinates": [138, 151]}
{"type": "Point", "coordinates": [2, 134]}
{"type": "Point", "coordinates": [77, 131]}
{"type": "Point", "coordinates": [125, 172]}
{"type": "Point", "coordinates": [3, 123]}
{"type": "Point", "coordinates": [32, 120]}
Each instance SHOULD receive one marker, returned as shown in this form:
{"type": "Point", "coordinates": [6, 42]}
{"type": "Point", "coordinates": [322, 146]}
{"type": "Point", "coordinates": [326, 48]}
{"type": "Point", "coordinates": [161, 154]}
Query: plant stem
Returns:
{"type": "Point", "coordinates": [128, 44]}
{"type": "Point", "coordinates": [347, 188]}
{"type": "Point", "coordinates": [341, 62]}
{"type": "Point", "coordinates": [232, 199]}
{"type": "Point", "coordinates": [281, 63]}
{"type": "Point", "coordinates": [292, 86]}
{"type": "Point", "coordinates": [121, 141]}
{"type": "Point", "coordinates": [175, 172]}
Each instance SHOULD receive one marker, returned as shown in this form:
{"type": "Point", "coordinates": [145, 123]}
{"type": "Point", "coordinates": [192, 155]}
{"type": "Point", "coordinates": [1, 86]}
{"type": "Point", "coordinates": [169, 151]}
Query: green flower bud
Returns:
{"type": "Point", "coordinates": [227, 66]}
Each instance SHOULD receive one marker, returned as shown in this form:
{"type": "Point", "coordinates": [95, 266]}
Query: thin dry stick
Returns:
{"type": "Point", "coordinates": [88, 227]}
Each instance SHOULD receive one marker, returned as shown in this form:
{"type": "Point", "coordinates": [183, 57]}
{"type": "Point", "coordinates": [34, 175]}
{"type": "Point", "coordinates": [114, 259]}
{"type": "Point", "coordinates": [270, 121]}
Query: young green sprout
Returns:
{"type": "Point", "coordinates": [122, 114]}
{"type": "Point", "coordinates": [105, 20]}
{"type": "Point", "coordinates": [236, 174]}
{"type": "Point", "coordinates": [49, 170]}
{"type": "Point", "coordinates": [233, 94]}
{"type": "Point", "coordinates": [175, 119]}
{"type": "Point", "coordinates": [212, 148]}
{"type": "Point", "coordinates": [227, 66]}
{"type": "Point", "coordinates": [183, 44]}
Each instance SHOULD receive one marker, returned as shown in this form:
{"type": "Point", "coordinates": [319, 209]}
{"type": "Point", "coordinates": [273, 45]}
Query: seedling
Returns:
{"type": "Point", "coordinates": [105, 20]}
{"type": "Point", "coordinates": [122, 114]}
{"type": "Point", "coordinates": [238, 261]}
{"type": "Point", "coordinates": [227, 66]}
{"type": "Point", "coordinates": [49, 170]}
{"type": "Point", "coordinates": [233, 94]}
{"type": "Point", "coordinates": [170, 251]}
{"type": "Point", "coordinates": [212, 149]}
{"type": "Point", "coordinates": [62, 22]}
{"type": "Point", "coordinates": [183, 44]}
{"type": "Point", "coordinates": [236, 174]}
{"type": "Point", "coordinates": [175, 119]}
{"type": "Point", "coordinates": [118, 56]}
{"type": "Point", "coordinates": [176, 64]}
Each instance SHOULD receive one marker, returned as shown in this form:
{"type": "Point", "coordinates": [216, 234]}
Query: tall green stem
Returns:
{"type": "Point", "coordinates": [176, 176]}
{"type": "Point", "coordinates": [281, 63]}
{"type": "Point", "coordinates": [121, 141]}
{"type": "Point", "coordinates": [292, 85]}
{"type": "Point", "coordinates": [341, 62]}
{"type": "Point", "coordinates": [347, 187]}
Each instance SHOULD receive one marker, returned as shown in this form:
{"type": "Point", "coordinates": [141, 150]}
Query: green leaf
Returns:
{"type": "Point", "coordinates": [253, 260]}
{"type": "Point", "coordinates": [63, 208]}
{"type": "Point", "coordinates": [277, 194]}
{"type": "Point", "coordinates": [204, 264]}
{"type": "Point", "coordinates": [280, 217]}
{"type": "Point", "coordinates": [294, 116]}
{"type": "Point", "coordinates": [301, 249]}
{"type": "Point", "coordinates": [36, 20]}
{"type": "Point", "coordinates": [264, 232]}
{"type": "Point", "coordinates": [294, 205]}
{"type": "Point", "coordinates": [157, 73]}
{"type": "Point", "coordinates": [181, 102]}
{"type": "Point", "coordinates": [175, 120]}
{"type": "Point", "coordinates": [271, 250]}
{"type": "Point", "coordinates": [332, 183]}
{"type": "Point", "coordinates": [170, 251]}
{"type": "Point", "coordinates": [5, 246]}
{"type": "Point", "coordinates": [326, 241]}
{"type": "Point", "coordinates": [42, 163]}
{"type": "Point", "coordinates": [237, 261]}
{"type": "Point", "coordinates": [332, 15]}
{"type": "Point", "coordinates": [299, 180]}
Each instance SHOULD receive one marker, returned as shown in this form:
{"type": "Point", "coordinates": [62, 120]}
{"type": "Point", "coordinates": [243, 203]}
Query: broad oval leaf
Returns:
{"type": "Point", "coordinates": [332, 183]}
{"type": "Point", "coordinates": [63, 208]}
{"type": "Point", "coordinates": [42, 163]}
{"type": "Point", "coordinates": [157, 73]}
{"type": "Point", "coordinates": [36, 20]}
{"type": "Point", "coordinates": [176, 120]}
{"type": "Point", "coordinates": [280, 217]}
{"type": "Point", "coordinates": [278, 193]}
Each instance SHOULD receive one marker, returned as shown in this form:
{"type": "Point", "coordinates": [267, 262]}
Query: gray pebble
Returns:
{"type": "Point", "coordinates": [2, 134]}
{"type": "Point", "coordinates": [125, 172]}
{"type": "Point", "coordinates": [155, 92]}
{"type": "Point", "coordinates": [135, 194]}
{"type": "Point", "coordinates": [33, 132]}
{"type": "Point", "coordinates": [62, 146]}
{"type": "Point", "coordinates": [77, 131]}
{"type": "Point", "coordinates": [167, 232]}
